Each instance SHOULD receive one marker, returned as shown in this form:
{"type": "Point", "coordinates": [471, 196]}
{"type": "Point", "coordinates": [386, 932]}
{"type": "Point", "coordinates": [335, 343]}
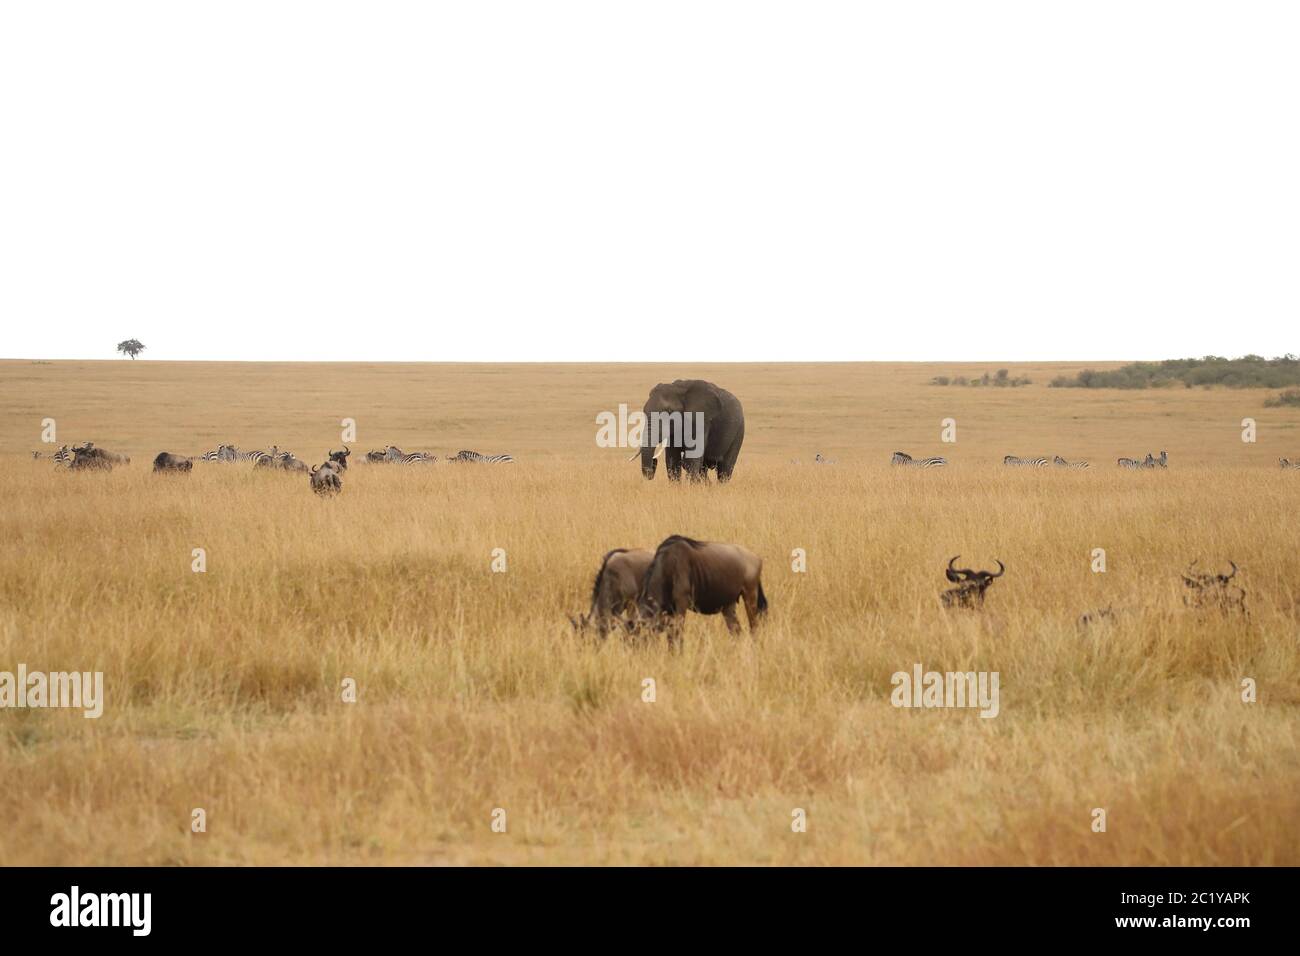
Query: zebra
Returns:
{"type": "Point", "coordinates": [475, 456]}
{"type": "Point", "coordinates": [224, 452]}
{"type": "Point", "coordinates": [258, 457]}
{"type": "Point", "coordinates": [902, 458]}
{"type": "Point", "coordinates": [1130, 462]}
{"type": "Point", "coordinates": [1288, 463]}
{"type": "Point", "coordinates": [1012, 460]}
{"type": "Point", "coordinates": [63, 456]}
{"type": "Point", "coordinates": [1153, 462]}
{"type": "Point", "coordinates": [420, 458]}
{"type": "Point", "coordinates": [1060, 462]}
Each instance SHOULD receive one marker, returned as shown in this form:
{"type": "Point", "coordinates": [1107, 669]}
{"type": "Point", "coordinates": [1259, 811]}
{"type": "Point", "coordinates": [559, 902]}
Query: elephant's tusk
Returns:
{"type": "Point", "coordinates": [659, 450]}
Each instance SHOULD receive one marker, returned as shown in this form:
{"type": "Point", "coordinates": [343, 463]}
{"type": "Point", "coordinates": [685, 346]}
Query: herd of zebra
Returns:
{"type": "Point", "coordinates": [326, 478]}
{"type": "Point", "coordinates": [1012, 461]}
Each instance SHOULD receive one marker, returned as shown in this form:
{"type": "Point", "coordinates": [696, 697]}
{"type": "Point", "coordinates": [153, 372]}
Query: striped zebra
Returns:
{"type": "Point", "coordinates": [224, 452]}
{"type": "Point", "coordinates": [902, 458]}
{"type": "Point", "coordinates": [1060, 462]}
{"type": "Point", "coordinates": [475, 456]}
{"type": "Point", "coordinates": [258, 457]}
{"type": "Point", "coordinates": [422, 457]}
{"type": "Point", "coordinates": [1015, 462]}
{"type": "Point", "coordinates": [61, 457]}
{"type": "Point", "coordinates": [1288, 463]}
{"type": "Point", "coordinates": [1129, 462]}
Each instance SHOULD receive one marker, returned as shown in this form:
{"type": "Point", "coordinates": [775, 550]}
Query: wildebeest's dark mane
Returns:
{"type": "Point", "coordinates": [595, 587]}
{"type": "Point", "coordinates": [674, 538]}
{"type": "Point", "coordinates": [660, 551]}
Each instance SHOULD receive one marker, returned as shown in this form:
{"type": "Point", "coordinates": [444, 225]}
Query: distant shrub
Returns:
{"type": "Point", "coordinates": [1290, 398]}
{"type": "Point", "coordinates": [1249, 371]}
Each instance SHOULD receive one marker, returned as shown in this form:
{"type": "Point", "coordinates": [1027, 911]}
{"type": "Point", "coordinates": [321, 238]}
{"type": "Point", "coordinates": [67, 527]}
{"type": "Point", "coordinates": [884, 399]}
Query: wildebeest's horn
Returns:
{"type": "Point", "coordinates": [1229, 577]}
{"type": "Point", "coordinates": [952, 573]}
{"type": "Point", "coordinates": [1002, 569]}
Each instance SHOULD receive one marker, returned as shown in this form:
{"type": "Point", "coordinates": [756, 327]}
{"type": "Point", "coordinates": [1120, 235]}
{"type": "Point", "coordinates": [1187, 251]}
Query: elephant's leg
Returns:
{"type": "Point", "coordinates": [697, 470]}
{"type": "Point", "coordinates": [733, 622]}
{"type": "Point", "coordinates": [673, 463]}
{"type": "Point", "coordinates": [727, 464]}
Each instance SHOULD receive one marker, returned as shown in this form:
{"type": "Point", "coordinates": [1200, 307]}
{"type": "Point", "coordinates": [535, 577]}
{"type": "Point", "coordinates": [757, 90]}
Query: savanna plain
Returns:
{"type": "Point", "coordinates": [224, 689]}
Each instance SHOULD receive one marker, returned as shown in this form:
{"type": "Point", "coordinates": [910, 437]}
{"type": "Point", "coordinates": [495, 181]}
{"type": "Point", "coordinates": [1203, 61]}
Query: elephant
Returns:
{"type": "Point", "coordinates": [682, 443]}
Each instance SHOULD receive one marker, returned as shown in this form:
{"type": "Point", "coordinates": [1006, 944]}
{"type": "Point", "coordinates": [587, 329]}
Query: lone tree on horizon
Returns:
{"type": "Point", "coordinates": [131, 347]}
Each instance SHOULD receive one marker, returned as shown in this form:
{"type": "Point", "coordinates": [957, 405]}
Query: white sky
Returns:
{"type": "Point", "coordinates": [649, 181]}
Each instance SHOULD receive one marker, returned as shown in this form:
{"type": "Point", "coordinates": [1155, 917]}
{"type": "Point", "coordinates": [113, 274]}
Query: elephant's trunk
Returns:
{"type": "Point", "coordinates": [649, 460]}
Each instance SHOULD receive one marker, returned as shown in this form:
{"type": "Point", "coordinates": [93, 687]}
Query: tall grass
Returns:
{"type": "Point", "coordinates": [224, 688]}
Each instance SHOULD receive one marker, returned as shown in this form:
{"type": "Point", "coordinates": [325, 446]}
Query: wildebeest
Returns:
{"type": "Point", "coordinates": [283, 460]}
{"type": "Point", "coordinates": [701, 576]}
{"type": "Point", "coordinates": [1103, 615]}
{"type": "Point", "coordinates": [166, 461]}
{"type": "Point", "coordinates": [971, 585]}
{"type": "Point", "coordinates": [84, 460]}
{"type": "Point", "coordinates": [89, 450]}
{"type": "Point", "coordinates": [614, 591]}
{"type": "Point", "coordinates": [1210, 590]}
{"type": "Point", "coordinates": [340, 458]}
{"type": "Point", "coordinates": [325, 479]}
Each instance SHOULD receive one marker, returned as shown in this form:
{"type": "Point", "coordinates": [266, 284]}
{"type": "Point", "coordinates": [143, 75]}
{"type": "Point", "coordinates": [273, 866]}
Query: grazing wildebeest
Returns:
{"type": "Point", "coordinates": [325, 479]}
{"type": "Point", "coordinates": [971, 585]}
{"type": "Point", "coordinates": [614, 592]}
{"type": "Point", "coordinates": [1216, 591]}
{"type": "Point", "coordinates": [84, 460]}
{"type": "Point", "coordinates": [89, 450]}
{"type": "Point", "coordinates": [702, 576]}
{"type": "Point", "coordinates": [166, 461]}
{"type": "Point", "coordinates": [283, 461]}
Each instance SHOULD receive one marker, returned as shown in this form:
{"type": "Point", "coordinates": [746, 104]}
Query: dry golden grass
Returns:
{"type": "Point", "coordinates": [223, 688]}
